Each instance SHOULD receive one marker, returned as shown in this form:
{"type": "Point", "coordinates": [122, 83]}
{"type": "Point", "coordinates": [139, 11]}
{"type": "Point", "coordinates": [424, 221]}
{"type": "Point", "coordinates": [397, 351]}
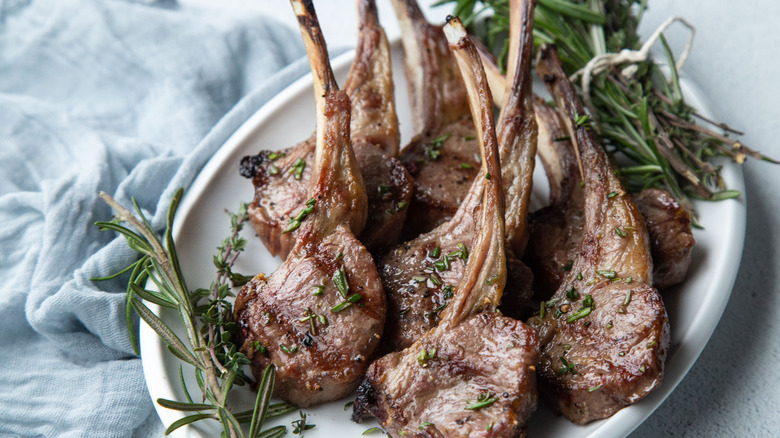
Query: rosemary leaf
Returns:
{"type": "Point", "coordinates": [185, 421]}
{"type": "Point", "coordinates": [264, 392]}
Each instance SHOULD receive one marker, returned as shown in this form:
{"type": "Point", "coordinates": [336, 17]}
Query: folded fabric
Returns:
{"type": "Point", "coordinates": [126, 97]}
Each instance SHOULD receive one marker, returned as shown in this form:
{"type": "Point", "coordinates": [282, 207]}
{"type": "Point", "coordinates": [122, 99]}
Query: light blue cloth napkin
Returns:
{"type": "Point", "coordinates": [128, 98]}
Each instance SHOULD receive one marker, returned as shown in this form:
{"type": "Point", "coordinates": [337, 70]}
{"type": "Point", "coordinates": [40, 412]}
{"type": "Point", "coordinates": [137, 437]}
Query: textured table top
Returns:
{"type": "Point", "coordinates": [732, 389]}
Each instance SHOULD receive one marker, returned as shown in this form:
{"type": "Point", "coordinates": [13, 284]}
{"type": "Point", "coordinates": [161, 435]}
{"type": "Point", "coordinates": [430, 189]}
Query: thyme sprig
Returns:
{"type": "Point", "coordinates": [207, 347]}
{"type": "Point", "coordinates": [642, 117]}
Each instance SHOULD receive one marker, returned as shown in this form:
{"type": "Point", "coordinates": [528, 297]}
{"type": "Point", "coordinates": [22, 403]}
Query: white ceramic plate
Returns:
{"type": "Point", "coordinates": [201, 224]}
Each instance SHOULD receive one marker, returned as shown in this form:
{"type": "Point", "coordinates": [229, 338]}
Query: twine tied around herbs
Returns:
{"type": "Point", "coordinates": [604, 61]}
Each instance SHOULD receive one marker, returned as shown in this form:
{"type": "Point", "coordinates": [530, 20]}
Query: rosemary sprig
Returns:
{"type": "Point", "coordinates": [639, 113]}
{"type": "Point", "coordinates": [207, 347]}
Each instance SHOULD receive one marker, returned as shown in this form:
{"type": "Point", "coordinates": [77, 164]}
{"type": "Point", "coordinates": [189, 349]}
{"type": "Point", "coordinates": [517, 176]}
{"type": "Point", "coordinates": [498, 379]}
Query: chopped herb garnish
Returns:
{"type": "Point", "coordinates": [273, 170]}
{"type": "Point", "coordinates": [628, 280]}
{"type": "Point", "coordinates": [567, 267]}
{"type": "Point", "coordinates": [318, 290]}
{"type": "Point", "coordinates": [449, 291]}
{"type": "Point", "coordinates": [582, 120]}
{"type": "Point", "coordinates": [311, 317]}
{"type": "Point", "coordinates": [510, 345]}
{"type": "Point", "coordinates": [489, 427]}
{"type": "Point", "coordinates": [425, 424]}
{"type": "Point", "coordinates": [595, 388]}
{"type": "Point", "coordinates": [627, 301]}
{"type": "Point", "coordinates": [587, 307]}
{"type": "Point", "coordinates": [484, 400]}
{"type": "Point", "coordinates": [564, 138]}
{"type": "Point", "coordinates": [572, 294]}
{"type": "Point", "coordinates": [438, 141]}
{"type": "Point", "coordinates": [568, 367]}
{"type": "Point", "coordinates": [340, 280]}
{"type": "Point", "coordinates": [296, 221]}
{"type": "Point", "coordinates": [630, 228]}
{"type": "Point", "coordinates": [405, 311]}
{"type": "Point", "coordinates": [612, 194]}
{"type": "Point", "coordinates": [425, 356]}
{"type": "Point", "coordinates": [338, 256]}
{"type": "Point", "coordinates": [487, 176]}
{"type": "Point", "coordinates": [434, 254]}
{"type": "Point", "coordinates": [490, 280]}
{"type": "Point", "coordinates": [373, 429]}
{"type": "Point", "coordinates": [419, 279]}
{"type": "Point", "coordinates": [260, 348]}
{"type": "Point", "coordinates": [608, 274]}
{"type": "Point", "coordinates": [273, 156]}
{"type": "Point", "coordinates": [443, 264]}
{"type": "Point", "coordinates": [642, 368]}
{"type": "Point", "coordinates": [287, 349]}
{"type": "Point", "coordinates": [620, 232]}
{"type": "Point", "coordinates": [652, 344]}
{"type": "Point", "coordinates": [354, 298]}
{"type": "Point", "coordinates": [297, 168]}
{"type": "Point", "coordinates": [542, 307]}
{"type": "Point", "coordinates": [553, 302]}
{"type": "Point", "coordinates": [461, 253]}
{"type": "Point", "coordinates": [435, 279]}
{"type": "Point", "coordinates": [340, 306]}
{"type": "Point", "coordinates": [579, 276]}
{"type": "Point", "coordinates": [466, 166]}
{"type": "Point", "coordinates": [384, 189]}
{"type": "Point", "coordinates": [402, 205]}
{"type": "Point", "coordinates": [469, 137]}
{"type": "Point", "coordinates": [348, 405]}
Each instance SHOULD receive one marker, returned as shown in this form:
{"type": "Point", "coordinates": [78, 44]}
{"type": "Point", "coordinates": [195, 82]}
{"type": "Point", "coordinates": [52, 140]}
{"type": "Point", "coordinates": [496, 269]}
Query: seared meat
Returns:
{"type": "Point", "coordinates": [441, 157]}
{"type": "Point", "coordinates": [604, 334]}
{"type": "Point", "coordinates": [420, 275]}
{"type": "Point", "coordinates": [319, 316]}
{"type": "Point", "coordinates": [443, 166]}
{"type": "Point", "coordinates": [671, 236]}
{"type": "Point", "coordinates": [472, 375]}
{"type": "Point", "coordinates": [282, 179]}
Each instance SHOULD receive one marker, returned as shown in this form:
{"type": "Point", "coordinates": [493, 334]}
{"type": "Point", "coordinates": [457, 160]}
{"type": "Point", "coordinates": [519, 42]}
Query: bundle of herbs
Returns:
{"type": "Point", "coordinates": [636, 106]}
{"type": "Point", "coordinates": [207, 318]}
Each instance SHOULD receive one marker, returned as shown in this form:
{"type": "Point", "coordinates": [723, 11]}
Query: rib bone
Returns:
{"type": "Point", "coordinates": [319, 316]}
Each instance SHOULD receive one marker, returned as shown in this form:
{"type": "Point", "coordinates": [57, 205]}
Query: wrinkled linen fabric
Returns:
{"type": "Point", "coordinates": [131, 98]}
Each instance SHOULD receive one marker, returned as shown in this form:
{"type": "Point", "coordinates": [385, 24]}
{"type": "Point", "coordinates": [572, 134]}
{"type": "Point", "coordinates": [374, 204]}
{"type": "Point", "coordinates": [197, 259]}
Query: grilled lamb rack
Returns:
{"type": "Point", "coordinates": [319, 317]}
{"type": "Point", "coordinates": [419, 275]}
{"type": "Point", "coordinates": [472, 375]}
{"type": "Point", "coordinates": [604, 335]}
{"type": "Point", "coordinates": [282, 179]}
{"type": "Point", "coordinates": [443, 157]}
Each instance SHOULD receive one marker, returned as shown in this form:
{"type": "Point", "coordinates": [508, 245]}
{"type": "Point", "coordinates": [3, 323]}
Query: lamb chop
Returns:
{"type": "Point", "coordinates": [319, 317]}
{"type": "Point", "coordinates": [282, 179]}
{"type": "Point", "coordinates": [556, 230]}
{"type": "Point", "coordinates": [671, 236]}
{"type": "Point", "coordinates": [419, 275]}
{"type": "Point", "coordinates": [604, 335]}
{"type": "Point", "coordinates": [443, 157]}
{"type": "Point", "coordinates": [472, 375]}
